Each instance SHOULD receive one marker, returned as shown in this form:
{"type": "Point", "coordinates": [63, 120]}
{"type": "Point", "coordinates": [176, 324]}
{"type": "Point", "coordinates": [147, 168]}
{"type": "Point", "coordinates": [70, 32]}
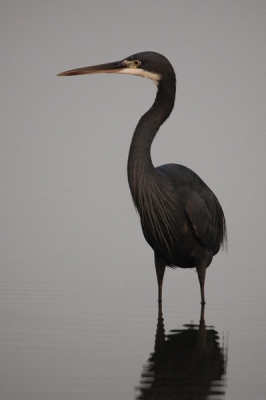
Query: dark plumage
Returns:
{"type": "Point", "coordinates": [181, 218]}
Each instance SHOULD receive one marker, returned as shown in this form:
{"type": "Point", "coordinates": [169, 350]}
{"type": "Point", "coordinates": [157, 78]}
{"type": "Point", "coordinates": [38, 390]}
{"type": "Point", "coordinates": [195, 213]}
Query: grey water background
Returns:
{"type": "Point", "coordinates": [78, 288]}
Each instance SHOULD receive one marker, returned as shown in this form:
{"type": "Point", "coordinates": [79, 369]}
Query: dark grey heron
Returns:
{"type": "Point", "coordinates": [181, 218]}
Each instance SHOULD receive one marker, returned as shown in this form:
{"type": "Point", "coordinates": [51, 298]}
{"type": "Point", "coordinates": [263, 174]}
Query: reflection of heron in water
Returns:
{"type": "Point", "coordinates": [186, 364]}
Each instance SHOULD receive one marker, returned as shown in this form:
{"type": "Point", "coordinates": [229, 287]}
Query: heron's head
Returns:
{"type": "Point", "coordinates": [147, 64]}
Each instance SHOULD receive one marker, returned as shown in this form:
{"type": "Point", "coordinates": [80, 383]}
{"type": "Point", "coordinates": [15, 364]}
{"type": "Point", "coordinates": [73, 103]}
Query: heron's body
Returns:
{"type": "Point", "coordinates": [180, 216]}
{"type": "Point", "coordinates": [181, 243]}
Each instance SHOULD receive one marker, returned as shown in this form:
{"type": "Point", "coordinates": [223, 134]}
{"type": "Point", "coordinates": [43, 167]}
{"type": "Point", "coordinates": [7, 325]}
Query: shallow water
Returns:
{"type": "Point", "coordinates": [79, 316]}
{"type": "Point", "coordinates": [77, 324]}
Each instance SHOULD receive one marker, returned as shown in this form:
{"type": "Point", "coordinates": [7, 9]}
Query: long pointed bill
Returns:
{"type": "Point", "coordinates": [117, 67]}
{"type": "Point", "coordinates": [113, 67]}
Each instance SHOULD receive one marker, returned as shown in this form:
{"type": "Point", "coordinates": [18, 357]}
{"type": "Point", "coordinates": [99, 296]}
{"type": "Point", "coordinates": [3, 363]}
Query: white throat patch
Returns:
{"type": "Point", "coordinates": [144, 74]}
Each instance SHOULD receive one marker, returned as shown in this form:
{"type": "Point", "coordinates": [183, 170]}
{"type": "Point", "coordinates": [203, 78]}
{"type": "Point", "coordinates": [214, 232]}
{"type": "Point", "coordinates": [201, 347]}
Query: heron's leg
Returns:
{"type": "Point", "coordinates": [160, 268]}
{"type": "Point", "coordinates": [201, 270]}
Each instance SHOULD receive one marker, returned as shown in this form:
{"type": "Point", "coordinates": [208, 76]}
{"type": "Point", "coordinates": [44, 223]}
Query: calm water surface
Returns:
{"type": "Point", "coordinates": [78, 297]}
{"type": "Point", "coordinates": [77, 323]}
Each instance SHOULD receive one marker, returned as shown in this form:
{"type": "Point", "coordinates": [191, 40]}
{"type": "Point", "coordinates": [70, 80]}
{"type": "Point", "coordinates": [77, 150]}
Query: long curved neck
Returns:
{"type": "Point", "coordinates": [139, 160]}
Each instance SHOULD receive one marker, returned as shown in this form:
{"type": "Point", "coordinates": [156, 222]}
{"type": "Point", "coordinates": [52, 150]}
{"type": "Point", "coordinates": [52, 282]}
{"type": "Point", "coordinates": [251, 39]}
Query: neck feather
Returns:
{"type": "Point", "coordinates": [140, 168]}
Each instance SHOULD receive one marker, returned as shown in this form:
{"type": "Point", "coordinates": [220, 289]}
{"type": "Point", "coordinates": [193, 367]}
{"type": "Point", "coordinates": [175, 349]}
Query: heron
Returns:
{"type": "Point", "coordinates": [181, 218]}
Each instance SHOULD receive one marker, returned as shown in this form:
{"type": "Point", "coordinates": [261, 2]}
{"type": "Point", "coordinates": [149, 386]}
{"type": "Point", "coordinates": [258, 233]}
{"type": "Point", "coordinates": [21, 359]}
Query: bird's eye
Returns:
{"type": "Point", "coordinates": [136, 63]}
